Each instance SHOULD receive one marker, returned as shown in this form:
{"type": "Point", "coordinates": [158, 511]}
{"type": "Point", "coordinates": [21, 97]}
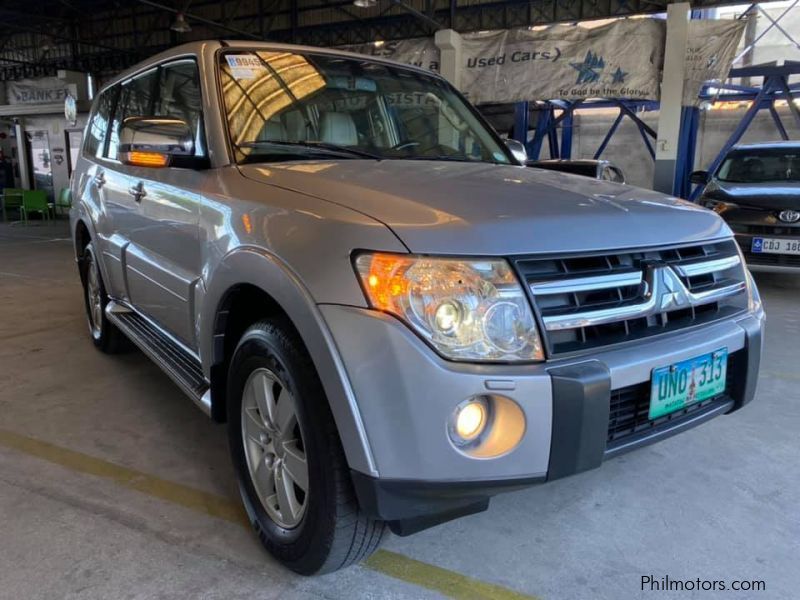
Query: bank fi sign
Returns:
{"type": "Point", "coordinates": [50, 90]}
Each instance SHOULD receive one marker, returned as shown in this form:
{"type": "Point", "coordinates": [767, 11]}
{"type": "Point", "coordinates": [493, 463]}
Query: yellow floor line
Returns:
{"type": "Point", "coordinates": [188, 497]}
{"type": "Point", "coordinates": [448, 583]}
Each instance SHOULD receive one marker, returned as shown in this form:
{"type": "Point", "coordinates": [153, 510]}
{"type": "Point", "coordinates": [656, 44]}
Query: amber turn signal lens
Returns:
{"type": "Point", "coordinates": [147, 159]}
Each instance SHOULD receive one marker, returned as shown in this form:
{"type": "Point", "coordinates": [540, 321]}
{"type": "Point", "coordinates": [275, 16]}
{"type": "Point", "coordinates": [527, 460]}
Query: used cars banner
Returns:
{"type": "Point", "coordinates": [709, 54]}
{"type": "Point", "coordinates": [620, 60]}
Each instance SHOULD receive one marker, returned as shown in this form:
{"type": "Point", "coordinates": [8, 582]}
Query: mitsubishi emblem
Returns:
{"type": "Point", "coordinates": [674, 294]}
{"type": "Point", "coordinates": [666, 287]}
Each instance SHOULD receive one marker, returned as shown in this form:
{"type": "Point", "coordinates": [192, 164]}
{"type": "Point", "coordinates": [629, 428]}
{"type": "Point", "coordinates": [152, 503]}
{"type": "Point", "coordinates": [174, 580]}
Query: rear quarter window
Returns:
{"type": "Point", "coordinates": [98, 124]}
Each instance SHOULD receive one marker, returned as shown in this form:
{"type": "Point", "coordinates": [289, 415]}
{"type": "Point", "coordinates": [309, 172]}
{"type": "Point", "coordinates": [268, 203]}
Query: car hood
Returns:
{"type": "Point", "coordinates": [485, 209]}
{"type": "Point", "coordinates": [774, 195]}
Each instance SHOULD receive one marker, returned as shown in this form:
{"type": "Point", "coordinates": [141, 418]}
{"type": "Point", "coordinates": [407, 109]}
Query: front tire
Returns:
{"type": "Point", "coordinates": [105, 335]}
{"type": "Point", "coordinates": [293, 476]}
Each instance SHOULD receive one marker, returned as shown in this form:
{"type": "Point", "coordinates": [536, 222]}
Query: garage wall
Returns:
{"type": "Point", "coordinates": [628, 151]}
{"type": "Point", "coordinates": [55, 126]}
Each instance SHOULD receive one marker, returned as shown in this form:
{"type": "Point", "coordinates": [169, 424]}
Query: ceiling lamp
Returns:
{"type": "Point", "coordinates": [365, 3]}
{"type": "Point", "coordinates": [180, 25]}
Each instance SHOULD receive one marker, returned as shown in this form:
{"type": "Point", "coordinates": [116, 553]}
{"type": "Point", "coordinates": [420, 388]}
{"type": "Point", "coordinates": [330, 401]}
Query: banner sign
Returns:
{"type": "Point", "coordinates": [709, 54]}
{"type": "Point", "coordinates": [420, 52]}
{"type": "Point", "coordinates": [564, 62]}
{"type": "Point", "coordinates": [47, 90]}
{"type": "Point", "coordinates": [622, 59]}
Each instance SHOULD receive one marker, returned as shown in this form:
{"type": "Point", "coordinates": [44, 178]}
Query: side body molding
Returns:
{"type": "Point", "coordinates": [257, 267]}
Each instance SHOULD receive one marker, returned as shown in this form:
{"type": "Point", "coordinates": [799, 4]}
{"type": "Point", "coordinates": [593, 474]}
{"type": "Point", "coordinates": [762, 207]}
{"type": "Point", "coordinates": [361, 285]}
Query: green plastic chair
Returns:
{"type": "Point", "coordinates": [64, 200]}
{"type": "Point", "coordinates": [35, 201]}
{"type": "Point", "coordinates": [12, 199]}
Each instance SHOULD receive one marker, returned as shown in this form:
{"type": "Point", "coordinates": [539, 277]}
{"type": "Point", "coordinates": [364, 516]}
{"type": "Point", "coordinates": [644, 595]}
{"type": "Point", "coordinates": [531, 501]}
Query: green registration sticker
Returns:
{"type": "Point", "coordinates": [677, 386]}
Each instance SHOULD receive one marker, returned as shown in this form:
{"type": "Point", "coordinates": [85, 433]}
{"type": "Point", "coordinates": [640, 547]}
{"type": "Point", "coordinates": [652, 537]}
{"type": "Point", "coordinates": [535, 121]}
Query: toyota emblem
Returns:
{"type": "Point", "coordinates": [789, 216]}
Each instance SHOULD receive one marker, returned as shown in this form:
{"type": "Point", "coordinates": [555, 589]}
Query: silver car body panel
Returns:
{"type": "Point", "coordinates": [290, 229]}
{"type": "Point", "coordinates": [484, 209]}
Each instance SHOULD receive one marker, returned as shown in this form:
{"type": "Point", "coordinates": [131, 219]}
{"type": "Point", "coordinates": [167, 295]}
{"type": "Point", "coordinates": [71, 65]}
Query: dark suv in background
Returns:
{"type": "Point", "coordinates": [756, 189]}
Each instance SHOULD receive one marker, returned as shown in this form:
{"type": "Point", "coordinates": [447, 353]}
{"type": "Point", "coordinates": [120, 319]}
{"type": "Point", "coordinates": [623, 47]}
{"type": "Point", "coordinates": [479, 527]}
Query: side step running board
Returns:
{"type": "Point", "coordinates": [183, 368]}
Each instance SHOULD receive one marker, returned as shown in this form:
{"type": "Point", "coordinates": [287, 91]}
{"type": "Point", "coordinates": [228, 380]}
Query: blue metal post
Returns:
{"type": "Point", "coordinates": [542, 127]}
{"type": "Point", "coordinates": [520, 132]}
{"type": "Point", "coordinates": [566, 133]}
{"type": "Point", "coordinates": [610, 133]}
{"type": "Point", "coordinates": [687, 148]}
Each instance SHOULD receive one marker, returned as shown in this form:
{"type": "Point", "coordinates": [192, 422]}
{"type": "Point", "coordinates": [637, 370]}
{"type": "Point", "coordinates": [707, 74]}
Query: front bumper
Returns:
{"type": "Point", "coordinates": [406, 394]}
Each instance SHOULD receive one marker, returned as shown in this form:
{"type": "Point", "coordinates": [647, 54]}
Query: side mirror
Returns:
{"type": "Point", "coordinates": [699, 177]}
{"type": "Point", "coordinates": [518, 150]}
{"type": "Point", "coordinates": [154, 141]}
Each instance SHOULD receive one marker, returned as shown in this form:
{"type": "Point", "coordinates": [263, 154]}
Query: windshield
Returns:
{"type": "Point", "coordinates": [761, 165]}
{"type": "Point", "coordinates": [289, 106]}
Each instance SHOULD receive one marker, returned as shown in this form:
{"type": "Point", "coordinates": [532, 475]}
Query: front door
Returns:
{"type": "Point", "coordinates": [160, 218]}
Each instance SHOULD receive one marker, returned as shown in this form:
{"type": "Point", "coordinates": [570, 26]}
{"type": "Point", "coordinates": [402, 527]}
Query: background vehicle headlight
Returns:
{"type": "Point", "coordinates": [718, 206]}
{"type": "Point", "coordinates": [470, 310]}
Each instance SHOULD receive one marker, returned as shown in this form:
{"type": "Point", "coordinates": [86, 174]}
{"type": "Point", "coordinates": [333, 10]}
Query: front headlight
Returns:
{"type": "Point", "coordinates": [718, 206]}
{"type": "Point", "coordinates": [468, 310]}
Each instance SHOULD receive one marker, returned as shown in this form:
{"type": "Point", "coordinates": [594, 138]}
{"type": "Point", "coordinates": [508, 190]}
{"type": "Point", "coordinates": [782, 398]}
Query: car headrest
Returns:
{"type": "Point", "coordinates": [272, 130]}
{"type": "Point", "coordinates": [338, 128]}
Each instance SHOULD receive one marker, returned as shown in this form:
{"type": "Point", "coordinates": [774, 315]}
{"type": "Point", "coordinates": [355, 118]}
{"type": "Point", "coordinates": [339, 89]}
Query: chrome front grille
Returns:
{"type": "Point", "coordinates": [601, 299]}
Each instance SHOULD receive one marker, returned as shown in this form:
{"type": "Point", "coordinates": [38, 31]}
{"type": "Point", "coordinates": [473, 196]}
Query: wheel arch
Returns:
{"type": "Point", "coordinates": [251, 284]}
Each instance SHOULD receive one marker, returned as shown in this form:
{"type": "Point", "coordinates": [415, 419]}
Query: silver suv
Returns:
{"type": "Point", "coordinates": [336, 256]}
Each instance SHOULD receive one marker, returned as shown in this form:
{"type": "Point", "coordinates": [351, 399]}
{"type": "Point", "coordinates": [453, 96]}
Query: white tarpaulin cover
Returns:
{"type": "Point", "coordinates": [709, 54]}
{"type": "Point", "coordinates": [620, 60]}
{"type": "Point", "coordinates": [47, 90]}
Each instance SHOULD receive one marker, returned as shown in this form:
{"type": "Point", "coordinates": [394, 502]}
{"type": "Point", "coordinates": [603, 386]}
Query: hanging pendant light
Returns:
{"type": "Point", "coordinates": [365, 3]}
{"type": "Point", "coordinates": [180, 25]}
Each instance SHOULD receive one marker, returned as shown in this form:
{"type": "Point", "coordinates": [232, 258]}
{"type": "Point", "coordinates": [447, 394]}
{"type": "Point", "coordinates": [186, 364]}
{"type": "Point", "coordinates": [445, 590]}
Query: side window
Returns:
{"type": "Point", "coordinates": [98, 124]}
{"type": "Point", "coordinates": [136, 99]}
{"type": "Point", "coordinates": [179, 96]}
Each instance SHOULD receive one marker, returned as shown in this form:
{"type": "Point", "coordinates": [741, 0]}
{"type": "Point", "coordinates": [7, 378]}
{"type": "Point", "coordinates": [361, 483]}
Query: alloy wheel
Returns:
{"type": "Point", "coordinates": [274, 448]}
{"type": "Point", "coordinates": [94, 299]}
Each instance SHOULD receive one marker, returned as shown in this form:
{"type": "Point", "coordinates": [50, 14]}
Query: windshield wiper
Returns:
{"type": "Point", "coordinates": [449, 158]}
{"type": "Point", "coordinates": [314, 145]}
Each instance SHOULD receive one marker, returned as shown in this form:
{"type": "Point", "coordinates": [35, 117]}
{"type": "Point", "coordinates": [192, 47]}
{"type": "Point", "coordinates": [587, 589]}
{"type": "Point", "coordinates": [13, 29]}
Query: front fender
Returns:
{"type": "Point", "coordinates": [257, 267]}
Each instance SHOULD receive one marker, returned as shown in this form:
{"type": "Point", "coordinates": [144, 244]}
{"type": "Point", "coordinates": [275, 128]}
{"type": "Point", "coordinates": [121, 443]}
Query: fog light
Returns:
{"type": "Point", "coordinates": [471, 420]}
{"type": "Point", "coordinates": [487, 426]}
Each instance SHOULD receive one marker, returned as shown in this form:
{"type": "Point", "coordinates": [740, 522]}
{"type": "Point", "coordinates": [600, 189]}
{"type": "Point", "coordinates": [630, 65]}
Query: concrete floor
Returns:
{"type": "Point", "coordinates": [719, 502]}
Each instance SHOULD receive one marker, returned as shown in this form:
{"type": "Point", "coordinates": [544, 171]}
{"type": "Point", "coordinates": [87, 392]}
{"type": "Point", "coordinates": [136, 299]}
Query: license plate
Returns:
{"type": "Point", "coordinates": [775, 246]}
{"type": "Point", "coordinates": [682, 384]}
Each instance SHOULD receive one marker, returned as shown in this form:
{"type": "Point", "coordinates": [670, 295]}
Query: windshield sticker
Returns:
{"type": "Point", "coordinates": [244, 66]}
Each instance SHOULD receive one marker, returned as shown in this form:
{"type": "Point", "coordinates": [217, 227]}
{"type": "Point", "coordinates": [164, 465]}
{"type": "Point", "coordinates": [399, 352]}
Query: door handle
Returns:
{"type": "Point", "coordinates": [137, 191]}
{"type": "Point", "coordinates": [100, 179]}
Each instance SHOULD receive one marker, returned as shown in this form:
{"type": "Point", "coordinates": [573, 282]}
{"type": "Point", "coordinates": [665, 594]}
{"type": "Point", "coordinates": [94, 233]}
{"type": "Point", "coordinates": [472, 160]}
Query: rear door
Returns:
{"type": "Point", "coordinates": [92, 185]}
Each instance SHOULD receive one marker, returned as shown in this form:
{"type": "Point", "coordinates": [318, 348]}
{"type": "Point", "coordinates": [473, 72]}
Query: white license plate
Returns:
{"type": "Point", "coordinates": [775, 246]}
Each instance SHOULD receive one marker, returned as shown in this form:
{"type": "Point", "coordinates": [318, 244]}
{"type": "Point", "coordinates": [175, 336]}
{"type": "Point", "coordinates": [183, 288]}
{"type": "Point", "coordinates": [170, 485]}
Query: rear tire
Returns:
{"type": "Point", "coordinates": [278, 421]}
{"type": "Point", "coordinates": [105, 335]}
